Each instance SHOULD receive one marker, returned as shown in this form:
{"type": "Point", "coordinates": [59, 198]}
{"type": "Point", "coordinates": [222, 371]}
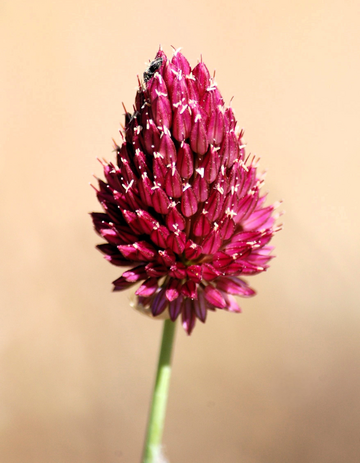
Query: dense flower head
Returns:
{"type": "Point", "coordinates": [182, 204]}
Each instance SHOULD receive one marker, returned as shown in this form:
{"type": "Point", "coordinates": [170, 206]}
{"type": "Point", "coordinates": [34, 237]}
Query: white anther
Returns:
{"type": "Point", "coordinates": [128, 187]}
{"type": "Point", "coordinates": [158, 155]}
{"type": "Point", "coordinates": [200, 171]}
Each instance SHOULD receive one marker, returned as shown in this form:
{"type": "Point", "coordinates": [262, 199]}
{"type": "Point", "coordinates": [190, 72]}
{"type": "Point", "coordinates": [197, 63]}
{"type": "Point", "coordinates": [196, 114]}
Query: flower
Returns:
{"type": "Point", "coordinates": [182, 204]}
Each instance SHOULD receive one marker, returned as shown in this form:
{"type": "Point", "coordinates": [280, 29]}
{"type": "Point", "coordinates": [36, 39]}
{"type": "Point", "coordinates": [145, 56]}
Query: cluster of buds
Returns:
{"type": "Point", "coordinates": [182, 204]}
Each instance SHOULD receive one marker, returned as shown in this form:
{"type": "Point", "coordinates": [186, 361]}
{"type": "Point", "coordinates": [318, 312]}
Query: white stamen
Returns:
{"type": "Point", "coordinates": [220, 189]}
{"type": "Point", "coordinates": [128, 187]}
{"type": "Point", "coordinates": [230, 213]}
{"type": "Point", "coordinates": [160, 93]}
{"type": "Point", "coordinates": [200, 171]}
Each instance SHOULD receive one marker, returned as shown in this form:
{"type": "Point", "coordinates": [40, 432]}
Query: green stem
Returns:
{"type": "Point", "coordinates": [152, 449]}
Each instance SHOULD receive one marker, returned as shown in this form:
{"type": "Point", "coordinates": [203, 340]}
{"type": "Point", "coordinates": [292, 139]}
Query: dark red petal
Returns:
{"type": "Point", "coordinates": [192, 88]}
{"type": "Point", "coordinates": [179, 91]}
{"type": "Point", "coordinates": [234, 285]}
{"type": "Point", "coordinates": [229, 119]}
{"type": "Point", "coordinates": [185, 163]}
{"type": "Point", "coordinates": [146, 221]}
{"type": "Point", "coordinates": [155, 270]}
{"type": "Point", "coordinates": [173, 184]}
{"type": "Point", "coordinates": [112, 175]}
{"type": "Point", "coordinates": [174, 220]}
{"type": "Point", "coordinates": [213, 206]}
{"type": "Point", "coordinates": [176, 241]}
{"type": "Point", "coordinates": [201, 226]}
{"type": "Point", "coordinates": [181, 122]}
{"type": "Point", "coordinates": [166, 257]}
{"type": "Point", "coordinates": [148, 287]}
{"type": "Point", "coordinates": [189, 289]}
{"type": "Point", "coordinates": [215, 131]}
{"type": "Point", "coordinates": [127, 173]}
{"type": "Point", "coordinates": [202, 76]}
{"type": "Point", "coordinates": [135, 274]}
{"type": "Point", "coordinates": [125, 234]}
{"type": "Point", "coordinates": [259, 219]}
{"type": "Point", "coordinates": [235, 268]}
{"type": "Point", "coordinates": [159, 169]}
{"type": "Point", "coordinates": [225, 149]}
{"type": "Point", "coordinates": [169, 74]}
{"type": "Point", "coordinates": [199, 305]}
{"type": "Point", "coordinates": [120, 284]}
{"type": "Point", "coordinates": [192, 250]}
{"type": "Point", "coordinates": [132, 221]}
{"type": "Point", "coordinates": [175, 307]}
{"type": "Point", "coordinates": [211, 165]}
{"type": "Point", "coordinates": [145, 189]}
{"type": "Point", "coordinates": [198, 135]}
{"type": "Point", "coordinates": [133, 200]}
{"type": "Point", "coordinates": [211, 242]}
{"type": "Point", "coordinates": [159, 236]}
{"type": "Point", "coordinates": [247, 206]}
{"type": "Point", "coordinates": [189, 203]}
{"type": "Point", "coordinates": [208, 102]}
{"type": "Point", "coordinates": [141, 163]}
{"type": "Point", "coordinates": [173, 289]}
{"type": "Point", "coordinates": [161, 201]}
{"type": "Point", "coordinates": [227, 228]}
{"type": "Point", "coordinates": [151, 137]}
{"type": "Point", "coordinates": [201, 188]}
{"type": "Point", "coordinates": [140, 250]}
{"type": "Point", "coordinates": [118, 198]}
{"type": "Point", "coordinates": [156, 86]}
{"type": "Point", "coordinates": [233, 149]}
{"type": "Point", "coordinates": [221, 260]}
{"type": "Point", "coordinates": [188, 317]}
{"type": "Point", "coordinates": [214, 297]}
{"type": "Point", "coordinates": [231, 304]}
{"type": "Point", "coordinates": [236, 247]}
{"type": "Point", "coordinates": [159, 303]}
{"type": "Point", "coordinates": [180, 62]}
{"type": "Point", "coordinates": [194, 272]}
{"type": "Point", "coordinates": [178, 270]}
{"type": "Point", "coordinates": [113, 255]}
{"type": "Point", "coordinates": [162, 111]}
{"type": "Point", "coordinates": [209, 272]}
{"type": "Point", "coordinates": [167, 149]}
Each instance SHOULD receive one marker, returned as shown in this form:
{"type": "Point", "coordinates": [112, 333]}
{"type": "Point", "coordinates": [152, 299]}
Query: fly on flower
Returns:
{"type": "Point", "coordinates": [153, 67]}
{"type": "Point", "coordinates": [182, 204]}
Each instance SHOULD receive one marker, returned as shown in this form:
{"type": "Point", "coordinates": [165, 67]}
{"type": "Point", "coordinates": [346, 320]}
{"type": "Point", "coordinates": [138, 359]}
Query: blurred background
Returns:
{"type": "Point", "coordinates": [278, 383]}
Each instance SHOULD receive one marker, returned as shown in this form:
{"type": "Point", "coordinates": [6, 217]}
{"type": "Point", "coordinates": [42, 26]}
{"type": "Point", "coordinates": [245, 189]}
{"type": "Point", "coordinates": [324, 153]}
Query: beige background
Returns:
{"type": "Point", "coordinates": [279, 383]}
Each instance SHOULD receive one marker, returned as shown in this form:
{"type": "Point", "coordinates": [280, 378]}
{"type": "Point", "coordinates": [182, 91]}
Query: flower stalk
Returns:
{"type": "Point", "coordinates": [153, 448]}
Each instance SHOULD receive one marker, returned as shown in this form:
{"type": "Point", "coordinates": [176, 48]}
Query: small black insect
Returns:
{"type": "Point", "coordinates": [153, 67]}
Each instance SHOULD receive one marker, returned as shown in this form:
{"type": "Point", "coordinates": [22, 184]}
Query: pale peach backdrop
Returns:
{"type": "Point", "coordinates": [279, 383]}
